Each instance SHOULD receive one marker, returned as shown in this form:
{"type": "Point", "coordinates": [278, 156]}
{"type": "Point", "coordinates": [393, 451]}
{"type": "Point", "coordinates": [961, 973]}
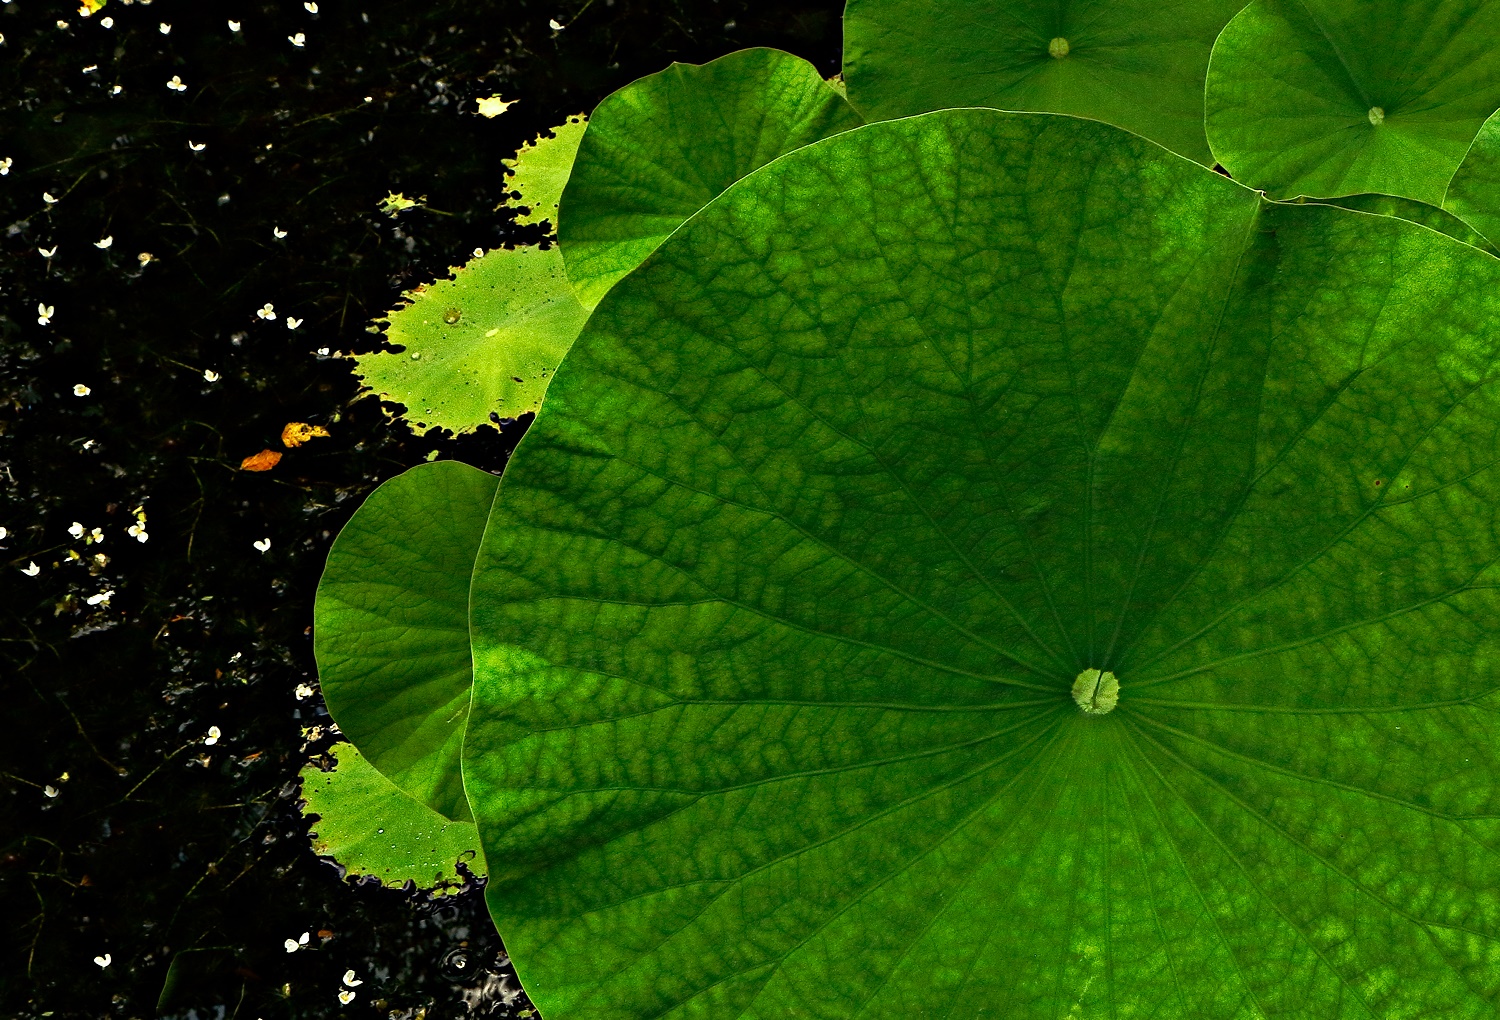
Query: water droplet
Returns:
{"type": "Point", "coordinates": [452, 315]}
{"type": "Point", "coordinates": [1058, 47]}
{"type": "Point", "coordinates": [1377, 116]}
{"type": "Point", "coordinates": [416, 355]}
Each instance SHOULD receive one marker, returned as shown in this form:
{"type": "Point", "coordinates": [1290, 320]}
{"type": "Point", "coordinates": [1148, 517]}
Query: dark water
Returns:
{"type": "Point", "coordinates": [155, 845]}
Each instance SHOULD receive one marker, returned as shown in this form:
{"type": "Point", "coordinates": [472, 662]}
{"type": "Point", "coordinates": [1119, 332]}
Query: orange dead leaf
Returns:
{"type": "Point", "coordinates": [298, 432]}
{"type": "Point", "coordinates": [265, 460]}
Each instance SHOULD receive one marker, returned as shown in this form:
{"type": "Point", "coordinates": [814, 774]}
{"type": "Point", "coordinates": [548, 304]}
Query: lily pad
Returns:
{"type": "Point", "coordinates": [1338, 97]}
{"type": "Point", "coordinates": [391, 627]}
{"type": "Point", "coordinates": [370, 827]}
{"type": "Point", "coordinates": [663, 147]}
{"type": "Point", "coordinates": [480, 346]}
{"type": "Point", "coordinates": [540, 170]}
{"type": "Point", "coordinates": [787, 619]}
{"type": "Point", "coordinates": [1137, 64]}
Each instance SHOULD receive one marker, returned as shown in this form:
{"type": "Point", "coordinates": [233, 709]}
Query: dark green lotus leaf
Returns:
{"type": "Point", "coordinates": [663, 147]}
{"type": "Point", "coordinates": [481, 345]}
{"type": "Point", "coordinates": [391, 627]}
{"type": "Point", "coordinates": [1474, 192]}
{"type": "Point", "coordinates": [370, 827]}
{"type": "Point", "coordinates": [1441, 220]}
{"type": "Point", "coordinates": [1137, 64]}
{"type": "Point", "coordinates": [1067, 591]}
{"type": "Point", "coordinates": [1338, 97]}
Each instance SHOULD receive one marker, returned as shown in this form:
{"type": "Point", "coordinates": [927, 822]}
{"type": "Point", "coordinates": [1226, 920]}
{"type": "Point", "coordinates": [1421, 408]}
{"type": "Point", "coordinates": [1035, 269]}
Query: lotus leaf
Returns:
{"type": "Point", "coordinates": [370, 827]}
{"type": "Point", "coordinates": [540, 170]}
{"type": "Point", "coordinates": [1137, 64]}
{"type": "Point", "coordinates": [480, 346]}
{"type": "Point", "coordinates": [1337, 97]}
{"type": "Point", "coordinates": [661, 148]}
{"type": "Point", "coordinates": [391, 627]}
{"type": "Point", "coordinates": [1068, 590]}
{"type": "Point", "coordinates": [1474, 192]}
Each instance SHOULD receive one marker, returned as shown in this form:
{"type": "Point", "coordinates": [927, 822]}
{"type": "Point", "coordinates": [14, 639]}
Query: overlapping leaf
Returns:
{"type": "Point", "coordinates": [370, 827]}
{"type": "Point", "coordinates": [663, 147]}
{"type": "Point", "coordinates": [480, 346]}
{"type": "Point", "coordinates": [1473, 194]}
{"type": "Point", "coordinates": [391, 627]}
{"type": "Point", "coordinates": [540, 171]}
{"type": "Point", "coordinates": [1337, 97]}
{"type": "Point", "coordinates": [1138, 64]}
{"type": "Point", "coordinates": [1441, 220]}
{"type": "Point", "coordinates": [780, 607]}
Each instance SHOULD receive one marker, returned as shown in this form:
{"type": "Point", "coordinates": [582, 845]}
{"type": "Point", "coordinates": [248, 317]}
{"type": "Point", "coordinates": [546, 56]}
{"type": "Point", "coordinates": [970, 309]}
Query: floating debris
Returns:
{"type": "Point", "coordinates": [265, 460]}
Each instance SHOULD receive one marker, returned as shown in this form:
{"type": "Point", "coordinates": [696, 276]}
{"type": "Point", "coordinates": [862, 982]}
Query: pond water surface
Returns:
{"type": "Point", "coordinates": [155, 153]}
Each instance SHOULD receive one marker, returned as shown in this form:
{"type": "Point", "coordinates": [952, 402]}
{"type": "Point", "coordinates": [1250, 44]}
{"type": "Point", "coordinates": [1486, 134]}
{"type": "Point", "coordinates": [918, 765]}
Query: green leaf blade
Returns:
{"type": "Point", "coordinates": [1473, 194]}
{"type": "Point", "coordinates": [661, 148]}
{"type": "Point", "coordinates": [370, 827]}
{"type": "Point", "coordinates": [540, 170]}
{"type": "Point", "coordinates": [1442, 220]}
{"type": "Point", "coordinates": [1139, 66]}
{"type": "Point", "coordinates": [1326, 98]}
{"type": "Point", "coordinates": [391, 627]}
{"type": "Point", "coordinates": [779, 616]}
{"type": "Point", "coordinates": [481, 346]}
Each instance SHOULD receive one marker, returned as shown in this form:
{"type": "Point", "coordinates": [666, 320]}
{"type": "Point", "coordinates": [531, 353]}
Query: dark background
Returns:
{"type": "Point", "coordinates": [154, 843]}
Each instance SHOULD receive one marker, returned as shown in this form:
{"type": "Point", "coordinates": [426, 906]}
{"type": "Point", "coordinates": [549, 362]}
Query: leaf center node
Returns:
{"type": "Point", "coordinates": [1058, 47]}
{"type": "Point", "coordinates": [1096, 691]}
{"type": "Point", "coordinates": [1377, 116]}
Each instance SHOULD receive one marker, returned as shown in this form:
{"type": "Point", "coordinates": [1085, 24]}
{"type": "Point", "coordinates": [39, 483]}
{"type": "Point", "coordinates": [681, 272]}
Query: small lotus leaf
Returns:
{"type": "Point", "coordinates": [370, 827]}
{"type": "Point", "coordinates": [1474, 192]}
{"type": "Point", "coordinates": [540, 170]}
{"type": "Point", "coordinates": [480, 346]}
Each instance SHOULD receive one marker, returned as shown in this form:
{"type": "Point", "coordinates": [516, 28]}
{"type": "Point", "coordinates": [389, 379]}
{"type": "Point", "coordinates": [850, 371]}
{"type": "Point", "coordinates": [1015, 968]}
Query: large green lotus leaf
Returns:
{"type": "Point", "coordinates": [1473, 194]}
{"type": "Point", "coordinates": [1337, 97]}
{"type": "Point", "coordinates": [782, 604]}
{"type": "Point", "coordinates": [1138, 64]}
{"type": "Point", "coordinates": [480, 346]}
{"type": "Point", "coordinates": [370, 827]}
{"type": "Point", "coordinates": [1431, 216]}
{"type": "Point", "coordinates": [663, 147]}
{"type": "Point", "coordinates": [391, 627]}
